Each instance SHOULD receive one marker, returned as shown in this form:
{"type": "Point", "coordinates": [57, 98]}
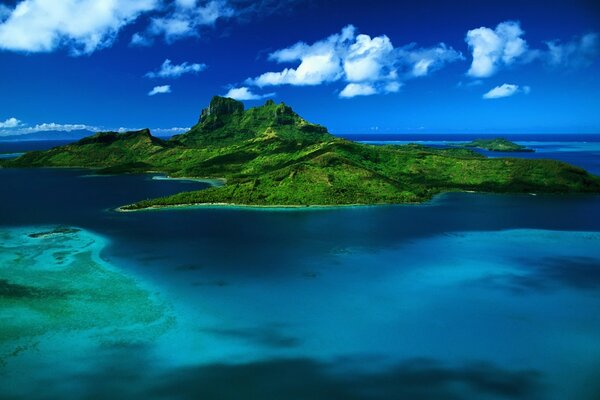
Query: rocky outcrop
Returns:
{"type": "Point", "coordinates": [222, 106]}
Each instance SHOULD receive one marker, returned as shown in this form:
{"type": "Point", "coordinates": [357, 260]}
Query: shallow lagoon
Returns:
{"type": "Point", "coordinates": [468, 296]}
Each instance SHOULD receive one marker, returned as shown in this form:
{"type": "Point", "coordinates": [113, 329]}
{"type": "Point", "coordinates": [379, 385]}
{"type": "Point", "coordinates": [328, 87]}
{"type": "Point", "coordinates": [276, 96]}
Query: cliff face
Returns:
{"type": "Point", "coordinates": [221, 106]}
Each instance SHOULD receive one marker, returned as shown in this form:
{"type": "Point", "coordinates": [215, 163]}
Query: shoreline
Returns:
{"type": "Point", "coordinates": [287, 207]}
{"type": "Point", "coordinates": [214, 182]}
{"type": "Point", "coordinates": [317, 207]}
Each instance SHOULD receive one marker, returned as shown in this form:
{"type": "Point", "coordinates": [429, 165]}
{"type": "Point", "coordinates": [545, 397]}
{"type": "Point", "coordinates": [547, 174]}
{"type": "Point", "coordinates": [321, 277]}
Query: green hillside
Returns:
{"type": "Point", "coordinates": [270, 156]}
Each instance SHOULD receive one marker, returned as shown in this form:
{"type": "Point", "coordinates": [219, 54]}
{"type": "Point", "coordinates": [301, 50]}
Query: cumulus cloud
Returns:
{"type": "Point", "coordinates": [10, 123]}
{"type": "Point", "coordinates": [244, 93]}
{"type": "Point", "coordinates": [369, 59]}
{"type": "Point", "coordinates": [421, 62]}
{"type": "Point", "coordinates": [579, 52]}
{"type": "Point", "coordinates": [506, 90]}
{"type": "Point", "coordinates": [392, 87]}
{"type": "Point", "coordinates": [368, 65]}
{"type": "Point", "coordinates": [83, 26]}
{"type": "Point", "coordinates": [184, 18]}
{"type": "Point", "coordinates": [59, 127]}
{"type": "Point", "coordinates": [493, 48]}
{"type": "Point", "coordinates": [21, 129]}
{"type": "Point", "coordinates": [139, 40]}
{"type": "Point", "coordinates": [169, 131]}
{"type": "Point", "coordinates": [170, 70]}
{"type": "Point", "coordinates": [160, 90]}
{"type": "Point", "coordinates": [357, 89]}
{"type": "Point", "coordinates": [318, 63]}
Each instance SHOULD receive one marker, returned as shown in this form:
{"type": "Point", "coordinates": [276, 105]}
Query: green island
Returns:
{"type": "Point", "coordinates": [498, 144]}
{"type": "Point", "coordinates": [269, 156]}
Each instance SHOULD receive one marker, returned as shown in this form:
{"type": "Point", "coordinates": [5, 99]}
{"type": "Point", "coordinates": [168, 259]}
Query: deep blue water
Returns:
{"type": "Point", "coordinates": [19, 147]}
{"type": "Point", "coordinates": [470, 296]}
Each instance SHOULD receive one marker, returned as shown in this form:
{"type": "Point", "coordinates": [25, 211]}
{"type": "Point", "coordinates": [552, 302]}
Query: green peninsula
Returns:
{"type": "Point", "coordinates": [270, 156]}
{"type": "Point", "coordinates": [498, 144]}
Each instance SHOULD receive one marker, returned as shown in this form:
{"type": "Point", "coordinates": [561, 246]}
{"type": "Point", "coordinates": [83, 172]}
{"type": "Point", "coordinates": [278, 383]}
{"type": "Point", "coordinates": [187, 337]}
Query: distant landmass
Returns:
{"type": "Point", "coordinates": [48, 135]}
{"type": "Point", "coordinates": [498, 144]}
{"type": "Point", "coordinates": [270, 156]}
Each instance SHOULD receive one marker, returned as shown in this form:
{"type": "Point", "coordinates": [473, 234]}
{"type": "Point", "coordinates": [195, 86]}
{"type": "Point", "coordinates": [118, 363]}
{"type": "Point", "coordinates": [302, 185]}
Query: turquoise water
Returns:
{"type": "Point", "coordinates": [469, 296]}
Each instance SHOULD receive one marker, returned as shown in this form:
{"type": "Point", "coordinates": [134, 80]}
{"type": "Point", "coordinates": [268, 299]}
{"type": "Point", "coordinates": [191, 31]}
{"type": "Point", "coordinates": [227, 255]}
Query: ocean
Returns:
{"type": "Point", "coordinates": [468, 296]}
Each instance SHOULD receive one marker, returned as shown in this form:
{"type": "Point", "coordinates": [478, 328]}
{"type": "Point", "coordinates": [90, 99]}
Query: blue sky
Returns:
{"type": "Point", "coordinates": [354, 66]}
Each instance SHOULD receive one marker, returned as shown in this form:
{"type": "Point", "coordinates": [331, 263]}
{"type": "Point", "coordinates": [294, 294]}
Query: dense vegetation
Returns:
{"type": "Point", "coordinates": [271, 156]}
{"type": "Point", "coordinates": [497, 144]}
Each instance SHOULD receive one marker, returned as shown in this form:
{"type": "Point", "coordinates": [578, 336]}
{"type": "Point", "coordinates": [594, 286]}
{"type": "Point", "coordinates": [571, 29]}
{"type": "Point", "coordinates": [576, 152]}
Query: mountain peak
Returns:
{"type": "Point", "coordinates": [225, 121]}
{"type": "Point", "coordinates": [222, 106]}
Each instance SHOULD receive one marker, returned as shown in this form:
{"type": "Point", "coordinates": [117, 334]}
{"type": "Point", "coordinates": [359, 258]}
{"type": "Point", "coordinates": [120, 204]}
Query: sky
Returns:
{"type": "Point", "coordinates": [354, 66]}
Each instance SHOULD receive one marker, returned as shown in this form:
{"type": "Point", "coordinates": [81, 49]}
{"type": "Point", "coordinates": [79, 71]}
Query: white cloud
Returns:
{"type": "Point", "coordinates": [160, 90]}
{"type": "Point", "coordinates": [170, 70]}
{"type": "Point", "coordinates": [59, 127]}
{"type": "Point", "coordinates": [470, 83]}
{"type": "Point", "coordinates": [368, 65]}
{"type": "Point", "coordinates": [244, 93]}
{"type": "Point", "coordinates": [424, 61]}
{"type": "Point", "coordinates": [319, 63]}
{"type": "Point", "coordinates": [137, 39]}
{"type": "Point", "coordinates": [492, 49]}
{"type": "Point", "coordinates": [392, 87]}
{"type": "Point", "coordinates": [83, 26]}
{"type": "Point", "coordinates": [51, 126]}
{"type": "Point", "coordinates": [313, 70]}
{"type": "Point", "coordinates": [369, 59]}
{"type": "Point", "coordinates": [357, 89]}
{"type": "Point", "coordinates": [184, 19]}
{"type": "Point", "coordinates": [505, 90]}
{"type": "Point", "coordinates": [169, 131]}
{"type": "Point", "coordinates": [10, 123]}
{"type": "Point", "coordinates": [579, 52]}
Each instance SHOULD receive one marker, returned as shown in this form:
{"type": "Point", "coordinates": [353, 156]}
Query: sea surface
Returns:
{"type": "Point", "coordinates": [469, 296]}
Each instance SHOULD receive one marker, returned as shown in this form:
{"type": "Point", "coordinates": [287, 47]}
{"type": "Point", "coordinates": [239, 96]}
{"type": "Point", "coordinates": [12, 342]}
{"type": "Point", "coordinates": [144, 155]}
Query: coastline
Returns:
{"type": "Point", "coordinates": [287, 207]}
{"type": "Point", "coordinates": [318, 207]}
{"type": "Point", "coordinates": [215, 182]}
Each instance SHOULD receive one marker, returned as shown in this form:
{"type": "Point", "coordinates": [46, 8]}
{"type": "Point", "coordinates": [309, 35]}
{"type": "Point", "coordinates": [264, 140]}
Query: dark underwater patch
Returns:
{"type": "Point", "coordinates": [269, 336]}
{"type": "Point", "coordinates": [10, 290]}
{"type": "Point", "coordinates": [548, 274]}
{"type": "Point", "coordinates": [128, 377]}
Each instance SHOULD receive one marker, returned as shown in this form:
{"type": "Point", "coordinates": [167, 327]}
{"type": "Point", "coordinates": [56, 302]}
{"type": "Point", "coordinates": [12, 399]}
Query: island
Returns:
{"type": "Point", "coordinates": [498, 144]}
{"type": "Point", "coordinates": [269, 156]}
